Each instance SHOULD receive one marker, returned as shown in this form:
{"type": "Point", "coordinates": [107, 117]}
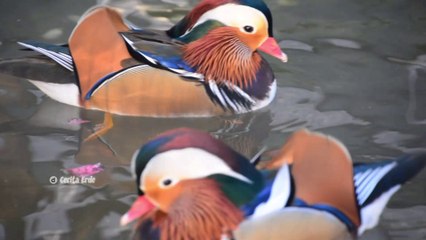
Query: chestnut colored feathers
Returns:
{"type": "Point", "coordinates": [211, 213]}
{"type": "Point", "coordinates": [238, 64]}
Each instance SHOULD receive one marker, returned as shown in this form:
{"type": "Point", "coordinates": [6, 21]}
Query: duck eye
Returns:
{"type": "Point", "coordinates": [166, 182]}
{"type": "Point", "coordinates": [248, 28]}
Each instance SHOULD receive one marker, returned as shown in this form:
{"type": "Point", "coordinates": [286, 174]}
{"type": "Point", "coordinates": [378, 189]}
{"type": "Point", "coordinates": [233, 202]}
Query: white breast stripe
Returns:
{"type": "Point", "coordinates": [229, 101]}
{"type": "Point", "coordinates": [226, 101]}
{"type": "Point", "coordinates": [241, 92]}
{"type": "Point", "coordinates": [216, 92]}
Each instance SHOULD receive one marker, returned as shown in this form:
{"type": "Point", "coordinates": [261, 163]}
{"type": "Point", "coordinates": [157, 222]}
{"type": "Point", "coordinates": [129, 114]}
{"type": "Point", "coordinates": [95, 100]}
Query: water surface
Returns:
{"type": "Point", "coordinates": [357, 70]}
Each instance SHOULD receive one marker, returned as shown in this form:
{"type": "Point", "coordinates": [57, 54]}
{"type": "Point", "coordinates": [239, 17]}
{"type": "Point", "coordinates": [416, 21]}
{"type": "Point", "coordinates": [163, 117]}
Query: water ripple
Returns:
{"type": "Point", "coordinates": [344, 43]}
{"type": "Point", "coordinates": [295, 108]}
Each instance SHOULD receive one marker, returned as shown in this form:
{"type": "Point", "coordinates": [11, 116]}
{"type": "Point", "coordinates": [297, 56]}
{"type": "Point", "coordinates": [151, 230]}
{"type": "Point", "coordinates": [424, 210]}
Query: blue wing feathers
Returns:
{"type": "Point", "coordinates": [156, 50]}
{"type": "Point", "coordinates": [173, 62]}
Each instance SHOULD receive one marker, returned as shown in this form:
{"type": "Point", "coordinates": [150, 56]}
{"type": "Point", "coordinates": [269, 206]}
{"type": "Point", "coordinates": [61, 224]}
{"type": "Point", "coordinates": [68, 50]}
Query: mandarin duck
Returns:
{"type": "Point", "coordinates": [193, 186]}
{"type": "Point", "coordinates": [207, 64]}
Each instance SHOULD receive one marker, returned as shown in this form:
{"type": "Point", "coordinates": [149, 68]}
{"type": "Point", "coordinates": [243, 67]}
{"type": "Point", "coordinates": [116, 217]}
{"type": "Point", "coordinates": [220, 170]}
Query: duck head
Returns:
{"type": "Point", "coordinates": [222, 45]}
{"type": "Point", "coordinates": [187, 176]}
{"type": "Point", "coordinates": [225, 10]}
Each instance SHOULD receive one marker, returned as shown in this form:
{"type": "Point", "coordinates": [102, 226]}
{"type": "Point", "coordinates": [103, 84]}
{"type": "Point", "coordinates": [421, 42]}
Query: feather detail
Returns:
{"type": "Point", "coordinates": [202, 8]}
{"type": "Point", "coordinates": [59, 54]}
{"type": "Point", "coordinates": [222, 57]}
{"type": "Point", "coordinates": [211, 213]}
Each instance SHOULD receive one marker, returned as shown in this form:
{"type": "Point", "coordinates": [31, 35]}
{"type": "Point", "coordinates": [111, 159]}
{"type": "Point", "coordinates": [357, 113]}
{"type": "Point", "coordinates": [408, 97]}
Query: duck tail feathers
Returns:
{"type": "Point", "coordinates": [375, 184]}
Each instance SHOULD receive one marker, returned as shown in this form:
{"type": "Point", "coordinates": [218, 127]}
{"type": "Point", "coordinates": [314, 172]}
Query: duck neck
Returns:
{"type": "Point", "coordinates": [202, 210]}
{"type": "Point", "coordinates": [221, 57]}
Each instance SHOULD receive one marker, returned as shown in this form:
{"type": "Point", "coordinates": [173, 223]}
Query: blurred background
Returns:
{"type": "Point", "coordinates": [356, 70]}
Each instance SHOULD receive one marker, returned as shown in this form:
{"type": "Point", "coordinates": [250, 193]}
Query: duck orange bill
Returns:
{"type": "Point", "coordinates": [139, 208]}
{"type": "Point", "coordinates": [271, 47]}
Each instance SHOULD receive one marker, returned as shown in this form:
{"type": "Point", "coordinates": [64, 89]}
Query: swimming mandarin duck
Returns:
{"type": "Point", "coordinates": [193, 186]}
{"type": "Point", "coordinates": [207, 64]}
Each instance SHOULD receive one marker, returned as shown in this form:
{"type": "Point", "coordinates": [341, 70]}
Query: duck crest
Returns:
{"type": "Point", "coordinates": [189, 20]}
{"type": "Point", "coordinates": [211, 213]}
{"type": "Point", "coordinates": [221, 57]}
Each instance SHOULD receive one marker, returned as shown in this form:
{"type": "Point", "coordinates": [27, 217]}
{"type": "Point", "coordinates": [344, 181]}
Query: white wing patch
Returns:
{"type": "Point", "coordinates": [227, 101]}
{"type": "Point", "coordinates": [216, 92]}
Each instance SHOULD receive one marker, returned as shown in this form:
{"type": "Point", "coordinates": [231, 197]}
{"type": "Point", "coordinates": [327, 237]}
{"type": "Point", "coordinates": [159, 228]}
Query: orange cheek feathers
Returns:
{"type": "Point", "coordinates": [163, 197]}
{"type": "Point", "coordinates": [253, 41]}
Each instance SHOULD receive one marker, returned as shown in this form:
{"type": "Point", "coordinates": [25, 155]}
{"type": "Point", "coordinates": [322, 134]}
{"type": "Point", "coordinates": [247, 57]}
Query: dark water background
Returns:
{"type": "Point", "coordinates": [357, 70]}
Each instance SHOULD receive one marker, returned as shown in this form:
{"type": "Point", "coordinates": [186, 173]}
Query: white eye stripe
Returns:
{"type": "Point", "coordinates": [234, 15]}
{"type": "Point", "coordinates": [188, 163]}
